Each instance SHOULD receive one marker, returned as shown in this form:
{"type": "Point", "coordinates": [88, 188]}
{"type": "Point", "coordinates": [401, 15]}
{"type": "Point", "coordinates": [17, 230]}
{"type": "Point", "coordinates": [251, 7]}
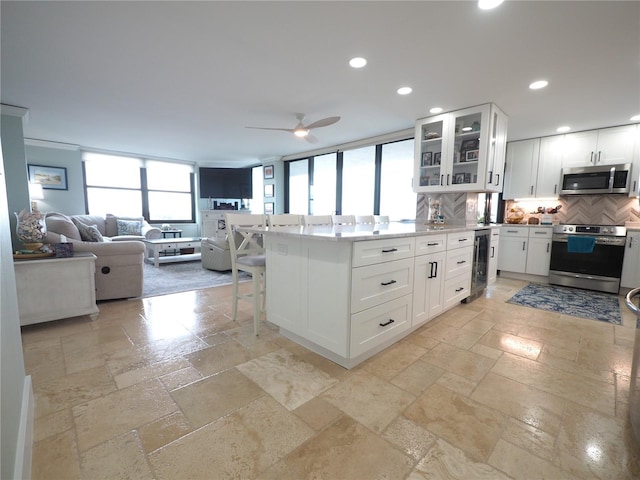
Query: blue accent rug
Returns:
{"type": "Point", "coordinates": [570, 301]}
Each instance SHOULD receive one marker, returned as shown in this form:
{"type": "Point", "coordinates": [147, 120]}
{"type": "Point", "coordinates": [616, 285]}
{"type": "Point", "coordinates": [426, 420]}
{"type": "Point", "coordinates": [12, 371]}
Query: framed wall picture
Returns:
{"type": "Point", "coordinates": [437, 158]}
{"type": "Point", "coordinates": [268, 208]}
{"type": "Point", "coordinates": [51, 178]}
{"type": "Point", "coordinates": [268, 171]}
{"type": "Point", "coordinates": [268, 190]}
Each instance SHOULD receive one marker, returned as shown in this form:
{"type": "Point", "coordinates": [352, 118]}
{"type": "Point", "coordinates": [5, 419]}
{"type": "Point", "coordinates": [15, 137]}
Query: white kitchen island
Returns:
{"type": "Point", "coordinates": [347, 292]}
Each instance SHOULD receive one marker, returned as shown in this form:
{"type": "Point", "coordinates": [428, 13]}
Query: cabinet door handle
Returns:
{"type": "Point", "coordinates": [524, 246]}
{"type": "Point", "coordinates": [432, 244]}
{"type": "Point", "coordinates": [548, 247]}
{"type": "Point", "coordinates": [630, 241]}
{"type": "Point", "coordinates": [634, 185]}
{"type": "Point", "coordinates": [531, 192]}
{"type": "Point", "coordinates": [490, 176]}
{"type": "Point", "coordinates": [460, 262]}
{"type": "Point", "coordinates": [599, 155]}
{"type": "Point", "coordinates": [497, 179]}
{"type": "Point", "coordinates": [493, 252]}
{"type": "Point", "coordinates": [390, 250]}
{"type": "Point", "coordinates": [391, 320]}
{"type": "Point", "coordinates": [441, 180]}
{"type": "Point", "coordinates": [459, 289]}
{"type": "Point", "coordinates": [512, 231]}
{"type": "Point", "coordinates": [435, 274]}
{"type": "Point", "coordinates": [591, 159]}
{"type": "Point", "coordinates": [463, 239]}
{"type": "Point", "coordinates": [555, 188]}
{"type": "Point", "coordinates": [448, 175]}
{"type": "Point", "coordinates": [390, 282]}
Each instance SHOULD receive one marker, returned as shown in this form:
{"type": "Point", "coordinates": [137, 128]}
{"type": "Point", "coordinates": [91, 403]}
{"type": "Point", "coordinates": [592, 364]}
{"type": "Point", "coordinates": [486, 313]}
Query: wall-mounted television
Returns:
{"type": "Point", "coordinates": [225, 182]}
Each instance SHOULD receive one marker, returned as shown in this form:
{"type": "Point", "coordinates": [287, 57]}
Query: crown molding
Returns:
{"type": "Point", "coordinates": [34, 142]}
{"type": "Point", "coordinates": [15, 111]}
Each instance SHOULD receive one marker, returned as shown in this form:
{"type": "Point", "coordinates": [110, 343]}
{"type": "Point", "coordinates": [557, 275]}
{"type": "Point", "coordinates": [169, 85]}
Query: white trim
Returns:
{"type": "Point", "coordinates": [14, 111]}
{"type": "Point", "coordinates": [24, 446]}
{"type": "Point", "coordinates": [34, 142]}
{"type": "Point", "coordinates": [366, 142]}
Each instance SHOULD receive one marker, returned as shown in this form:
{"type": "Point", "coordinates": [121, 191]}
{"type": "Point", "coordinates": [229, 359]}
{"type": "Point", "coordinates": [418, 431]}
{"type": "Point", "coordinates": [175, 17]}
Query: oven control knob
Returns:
{"type": "Point", "coordinates": [571, 229]}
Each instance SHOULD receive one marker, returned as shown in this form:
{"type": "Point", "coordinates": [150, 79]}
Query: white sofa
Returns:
{"type": "Point", "coordinates": [119, 262]}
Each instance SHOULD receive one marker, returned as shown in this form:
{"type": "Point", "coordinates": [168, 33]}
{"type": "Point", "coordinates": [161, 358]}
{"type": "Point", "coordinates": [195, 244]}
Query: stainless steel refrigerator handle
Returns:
{"type": "Point", "coordinates": [630, 305]}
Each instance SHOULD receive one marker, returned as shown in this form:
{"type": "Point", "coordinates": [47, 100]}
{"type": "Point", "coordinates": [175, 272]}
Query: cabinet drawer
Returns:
{"type": "Point", "coordinates": [456, 289]}
{"type": "Point", "coordinates": [431, 244]}
{"type": "Point", "coordinates": [460, 239]}
{"type": "Point", "coordinates": [540, 232]}
{"type": "Point", "coordinates": [374, 326]}
{"type": "Point", "coordinates": [176, 246]}
{"type": "Point", "coordinates": [514, 231]}
{"type": "Point", "coordinates": [378, 251]}
{"type": "Point", "coordinates": [459, 261]}
{"type": "Point", "coordinates": [375, 284]}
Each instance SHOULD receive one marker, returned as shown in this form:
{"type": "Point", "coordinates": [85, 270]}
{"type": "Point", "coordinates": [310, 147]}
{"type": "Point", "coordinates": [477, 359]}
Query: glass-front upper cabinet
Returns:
{"type": "Point", "coordinates": [461, 151]}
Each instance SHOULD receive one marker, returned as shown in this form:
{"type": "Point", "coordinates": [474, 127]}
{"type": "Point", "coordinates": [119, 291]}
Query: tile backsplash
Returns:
{"type": "Point", "coordinates": [591, 209]}
{"type": "Point", "coordinates": [457, 208]}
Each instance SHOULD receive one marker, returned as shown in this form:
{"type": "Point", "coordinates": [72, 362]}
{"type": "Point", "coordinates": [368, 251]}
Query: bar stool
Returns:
{"type": "Point", "coordinates": [247, 255]}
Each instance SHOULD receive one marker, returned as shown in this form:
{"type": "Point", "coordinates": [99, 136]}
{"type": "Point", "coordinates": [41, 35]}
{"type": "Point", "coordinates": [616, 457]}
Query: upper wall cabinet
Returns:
{"type": "Point", "coordinates": [461, 151]}
{"type": "Point", "coordinates": [607, 146]}
{"type": "Point", "coordinates": [533, 168]}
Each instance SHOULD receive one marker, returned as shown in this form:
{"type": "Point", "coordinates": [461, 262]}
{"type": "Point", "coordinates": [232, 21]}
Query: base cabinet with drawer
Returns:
{"type": "Point", "coordinates": [348, 300]}
{"type": "Point", "coordinates": [525, 249]}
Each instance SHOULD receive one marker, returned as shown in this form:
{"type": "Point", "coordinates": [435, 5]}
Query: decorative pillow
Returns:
{"type": "Point", "coordinates": [88, 233]}
{"type": "Point", "coordinates": [62, 225]}
{"type": "Point", "coordinates": [129, 227]}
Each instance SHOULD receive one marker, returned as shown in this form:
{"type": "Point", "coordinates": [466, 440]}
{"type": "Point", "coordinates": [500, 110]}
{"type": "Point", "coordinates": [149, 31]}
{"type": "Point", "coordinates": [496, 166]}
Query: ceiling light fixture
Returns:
{"type": "Point", "coordinates": [538, 84]}
{"type": "Point", "coordinates": [405, 90]}
{"type": "Point", "coordinates": [635, 118]}
{"type": "Point", "coordinates": [489, 4]}
{"type": "Point", "coordinates": [563, 129]}
{"type": "Point", "coordinates": [301, 132]}
{"type": "Point", "coordinates": [358, 62]}
{"type": "Point", "coordinates": [435, 110]}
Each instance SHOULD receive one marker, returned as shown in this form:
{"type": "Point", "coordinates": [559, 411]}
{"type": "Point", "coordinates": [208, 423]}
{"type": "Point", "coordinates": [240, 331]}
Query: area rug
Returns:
{"type": "Point", "coordinates": [183, 276]}
{"type": "Point", "coordinates": [570, 301]}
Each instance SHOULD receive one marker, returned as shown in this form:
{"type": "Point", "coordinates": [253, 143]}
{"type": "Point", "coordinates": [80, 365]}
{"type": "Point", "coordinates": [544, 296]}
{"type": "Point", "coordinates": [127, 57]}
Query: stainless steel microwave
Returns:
{"type": "Point", "coordinates": [596, 179]}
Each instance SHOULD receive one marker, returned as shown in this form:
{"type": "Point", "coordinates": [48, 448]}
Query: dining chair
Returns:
{"type": "Point", "coordinates": [381, 218]}
{"type": "Point", "coordinates": [364, 219]}
{"type": "Point", "coordinates": [316, 220]}
{"type": "Point", "coordinates": [247, 255]}
{"type": "Point", "coordinates": [343, 219]}
{"type": "Point", "coordinates": [283, 220]}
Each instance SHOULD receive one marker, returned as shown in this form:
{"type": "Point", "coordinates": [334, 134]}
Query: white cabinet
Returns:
{"type": "Point", "coordinates": [533, 168]}
{"type": "Point", "coordinates": [525, 249]}
{"type": "Point", "coordinates": [461, 151]}
{"type": "Point", "coordinates": [631, 266]}
{"type": "Point", "coordinates": [494, 249]}
{"type": "Point", "coordinates": [428, 279]}
{"type": "Point", "coordinates": [459, 263]}
{"type": "Point", "coordinates": [539, 251]}
{"type": "Point", "coordinates": [606, 146]}
{"type": "Point", "coordinates": [212, 224]}
{"type": "Point", "coordinates": [635, 169]}
{"type": "Point", "coordinates": [55, 288]}
{"type": "Point", "coordinates": [513, 249]}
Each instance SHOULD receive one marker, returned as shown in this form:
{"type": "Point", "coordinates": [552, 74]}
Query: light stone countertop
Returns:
{"type": "Point", "coordinates": [353, 233]}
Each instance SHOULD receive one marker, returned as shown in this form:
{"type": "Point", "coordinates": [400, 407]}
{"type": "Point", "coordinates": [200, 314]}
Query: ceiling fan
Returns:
{"type": "Point", "coordinates": [304, 131]}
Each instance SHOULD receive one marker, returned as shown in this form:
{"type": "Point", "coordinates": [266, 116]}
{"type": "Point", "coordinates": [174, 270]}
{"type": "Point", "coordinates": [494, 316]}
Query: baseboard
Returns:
{"type": "Point", "coordinates": [24, 446]}
{"type": "Point", "coordinates": [524, 276]}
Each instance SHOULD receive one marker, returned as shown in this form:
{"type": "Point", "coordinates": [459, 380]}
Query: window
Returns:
{"type": "Point", "coordinates": [126, 186]}
{"type": "Point", "coordinates": [169, 188]}
{"type": "Point", "coordinates": [358, 181]}
{"type": "Point", "coordinates": [299, 187]}
{"type": "Point", "coordinates": [323, 200]}
{"type": "Point", "coordinates": [257, 179]}
{"type": "Point", "coordinates": [397, 198]}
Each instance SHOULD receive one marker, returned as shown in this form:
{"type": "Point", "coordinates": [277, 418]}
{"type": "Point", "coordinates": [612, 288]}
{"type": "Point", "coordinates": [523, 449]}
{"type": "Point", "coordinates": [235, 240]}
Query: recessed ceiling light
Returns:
{"type": "Point", "coordinates": [435, 110]}
{"type": "Point", "coordinates": [635, 118]}
{"type": "Point", "coordinates": [489, 4]}
{"type": "Point", "coordinates": [538, 84]}
{"type": "Point", "coordinates": [358, 62]}
{"type": "Point", "coordinates": [405, 90]}
{"type": "Point", "coordinates": [563, 129]}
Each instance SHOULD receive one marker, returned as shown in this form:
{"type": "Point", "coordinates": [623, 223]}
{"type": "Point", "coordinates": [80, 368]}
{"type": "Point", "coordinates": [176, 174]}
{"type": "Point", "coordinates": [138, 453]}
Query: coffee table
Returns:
{"type": "Point", "coordinates": [168, 250]}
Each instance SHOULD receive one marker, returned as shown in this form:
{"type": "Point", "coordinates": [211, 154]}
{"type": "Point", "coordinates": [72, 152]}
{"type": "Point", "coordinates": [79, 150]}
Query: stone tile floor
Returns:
{"type": "Point", "coordinates": [170, 387]}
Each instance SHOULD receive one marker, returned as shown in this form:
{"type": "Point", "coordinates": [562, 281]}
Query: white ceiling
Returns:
{"type": "Point", "coordinates": [182, 79]}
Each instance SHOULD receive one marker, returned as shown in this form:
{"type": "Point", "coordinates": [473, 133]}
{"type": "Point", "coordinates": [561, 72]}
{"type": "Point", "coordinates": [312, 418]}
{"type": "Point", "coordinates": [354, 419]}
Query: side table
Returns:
{"type": "Point", "coordinates": [54, 288]}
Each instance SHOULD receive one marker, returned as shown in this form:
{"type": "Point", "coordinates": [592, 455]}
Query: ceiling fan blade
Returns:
{"type": "Point", "coordinates": [310, 138]}
{"type": "Point", "coordinates": [325, 122]}
{"type": "Point", "coordinates": [266, 128]}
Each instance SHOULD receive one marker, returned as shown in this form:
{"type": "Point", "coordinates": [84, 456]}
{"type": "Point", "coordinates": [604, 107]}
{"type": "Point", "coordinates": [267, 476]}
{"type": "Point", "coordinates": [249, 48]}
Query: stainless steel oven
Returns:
{"type": "Point", "coordinates": [587, 256]}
